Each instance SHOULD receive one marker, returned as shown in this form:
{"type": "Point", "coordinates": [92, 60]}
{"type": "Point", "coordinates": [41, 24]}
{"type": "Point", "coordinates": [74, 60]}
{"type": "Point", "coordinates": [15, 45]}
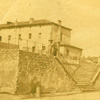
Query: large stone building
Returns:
{"type": "Point", "coordinates": [41, 36]}
{"type": "Point", "coordinates": [27, 51]}
{"type": "Point", "coordinates": [31, 39]}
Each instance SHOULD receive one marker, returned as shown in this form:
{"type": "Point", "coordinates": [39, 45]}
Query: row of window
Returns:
{"type": "Point", "coordinates": [19, 36]}
{"type": "Point", "coordinates": [30, 36]}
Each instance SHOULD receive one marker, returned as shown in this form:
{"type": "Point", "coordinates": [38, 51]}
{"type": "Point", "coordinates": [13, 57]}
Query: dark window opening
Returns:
{"type": "Point", "coordinates": [43, 47]}
{"type": "Point", "coordinates": [19, 36]}
{"type": "Point", "coordinates": [9, 37]}
{"type": "Point", "coordinates": [39, 35]}
{"type": "Point", "coordinates": [0, 38]}
{"type": "Point", "coordinates": [61, 37]}
{"type": "Point", "coordinates": [30, 36]}
{"type": "Point", "coordinates": [67, 52]}
{"type": "Point", "coordinates": [33, 49]}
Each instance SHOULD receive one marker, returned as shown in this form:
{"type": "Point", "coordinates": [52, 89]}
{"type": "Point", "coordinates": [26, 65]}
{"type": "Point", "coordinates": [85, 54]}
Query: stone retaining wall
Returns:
{"type": "Point", "coordinates": [21, 72]}
{"type": "Point", "coordinates": [46, 70]}
{"type": "Point", "coordinates": [8, 70]}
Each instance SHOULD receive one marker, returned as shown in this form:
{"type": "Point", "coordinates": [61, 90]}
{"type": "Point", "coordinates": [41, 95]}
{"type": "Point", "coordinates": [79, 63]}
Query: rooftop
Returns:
{"type": "Point", "coordinates": [71, 46]}
{"type": "Point", "coordinates": [28, 23]}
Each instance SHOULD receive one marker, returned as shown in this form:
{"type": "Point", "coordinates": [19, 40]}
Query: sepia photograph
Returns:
{"type": "Point", "coordinates": [49, 49]}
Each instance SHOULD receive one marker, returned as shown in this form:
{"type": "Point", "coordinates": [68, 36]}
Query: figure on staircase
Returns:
{"type": "Point", "coordinates": [54, 49]}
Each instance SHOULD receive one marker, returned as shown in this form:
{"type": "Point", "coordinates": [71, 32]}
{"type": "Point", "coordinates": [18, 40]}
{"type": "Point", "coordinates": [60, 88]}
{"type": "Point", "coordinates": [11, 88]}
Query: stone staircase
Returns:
{"type": "Point", "coordinates": [84, 75]}
{"type": "Point", "coordinates": [86, 88]}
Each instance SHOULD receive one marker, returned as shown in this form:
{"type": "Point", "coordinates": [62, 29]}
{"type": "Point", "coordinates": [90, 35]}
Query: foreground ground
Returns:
{"type": "Point", "coordinates": [82, 96]}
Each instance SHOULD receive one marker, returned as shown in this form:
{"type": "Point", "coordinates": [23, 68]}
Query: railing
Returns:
{"type": "Point", "coordinates": [66, 66]}
{"type": "Point", "coordinates": [64, 61]}
{"type": "Point", "coordinates": [27, 45]}
{"type": "Point", "coordinates": [67, 72]}
{"type": "Point", "coordinates": [74, 59]}
{"type": "Point", "coordinates": [95, 74]}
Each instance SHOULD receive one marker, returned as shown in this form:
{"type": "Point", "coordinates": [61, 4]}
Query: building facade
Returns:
{"type": "Point", "coordinates": [39, 36]}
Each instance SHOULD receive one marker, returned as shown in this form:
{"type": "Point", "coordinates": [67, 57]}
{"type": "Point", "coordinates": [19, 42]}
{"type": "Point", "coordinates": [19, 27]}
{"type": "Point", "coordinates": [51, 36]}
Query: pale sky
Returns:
{"type": "Point", "coordinates": [82, 16]}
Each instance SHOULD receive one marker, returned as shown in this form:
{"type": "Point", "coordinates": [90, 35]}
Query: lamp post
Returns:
{"type": "Point", "coordinates": [27, 44]}
{"type": "Point", "coordinates": [19, 38]}
{"type": "Point", "coordinates": [18, 43]}
{"type": "Point", "coordinates": [9, 38]}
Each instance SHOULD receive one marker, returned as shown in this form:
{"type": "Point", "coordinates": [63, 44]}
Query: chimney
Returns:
{"type": "Point", "coordinates": [59, 22]}
{"type": "Point", "coordinates": [31, 20]}
{"type": "Point", "coordinates": [9, 22]}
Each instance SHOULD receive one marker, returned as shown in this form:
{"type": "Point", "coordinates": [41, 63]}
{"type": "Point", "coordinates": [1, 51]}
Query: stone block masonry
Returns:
{"type": "Point", "coordinates": [8, 70]}
{"type": "Point", "coordinates": [21, 72]}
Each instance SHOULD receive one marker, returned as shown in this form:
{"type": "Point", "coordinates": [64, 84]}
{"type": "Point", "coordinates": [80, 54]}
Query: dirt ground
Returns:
{"type": "Point", "coordinates": [82, 96]}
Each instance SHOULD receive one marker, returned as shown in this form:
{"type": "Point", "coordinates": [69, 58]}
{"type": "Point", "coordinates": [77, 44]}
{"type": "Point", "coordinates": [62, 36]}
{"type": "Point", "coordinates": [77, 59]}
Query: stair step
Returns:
{"type": "Point", "coordinates": [85, 90]}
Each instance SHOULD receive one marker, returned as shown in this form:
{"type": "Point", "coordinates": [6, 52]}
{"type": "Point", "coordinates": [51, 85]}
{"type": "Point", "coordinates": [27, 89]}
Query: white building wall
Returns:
{"type": "Point", "coordinates": [72, 56]}
{"type": "Point", "coordinates": [25, 31]}
{"type": "Point", "coordinates": [66, 34]}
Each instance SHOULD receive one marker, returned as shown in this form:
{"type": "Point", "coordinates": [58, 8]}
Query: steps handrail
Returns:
{"type": "Point", "coordinates": [65, 70]}
{"type": "Point", "coordinates": [95, 74]}
{"type": "Point", "coordinates": [66, 61]}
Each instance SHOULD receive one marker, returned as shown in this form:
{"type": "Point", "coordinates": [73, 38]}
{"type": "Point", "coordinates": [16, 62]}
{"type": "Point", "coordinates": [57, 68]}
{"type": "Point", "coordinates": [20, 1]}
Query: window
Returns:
{"type": "Point", "coordinates": [0, 38]}
{"type": "Point", "coordinates": [30, 36]}
{"type": "Point", "coordinates": [67, 52]}
{"type": "Point", "coordinates": [9, 37]}
{"type": "Point", "coordinates": [61, 37]}
{"type": "Point", "coordinates": [39, 35]}
{"type": "Point", "coordinates": [43, 47]}
{"type": "Point", "coordinates": [33, 49]}
{"type": "Point", "coordinates": [19, 36]}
